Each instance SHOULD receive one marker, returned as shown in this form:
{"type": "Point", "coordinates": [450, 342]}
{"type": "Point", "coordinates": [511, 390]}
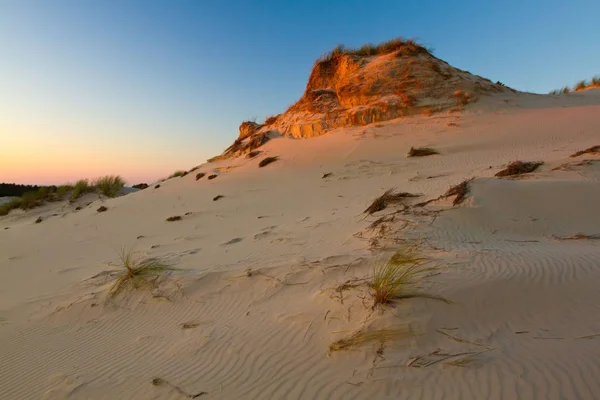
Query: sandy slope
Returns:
{"type": "Point", "coordinates": [524, 300]}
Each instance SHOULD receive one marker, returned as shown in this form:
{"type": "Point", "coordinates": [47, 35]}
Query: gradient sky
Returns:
{"type": "Point", "coordinates": [141, 88]}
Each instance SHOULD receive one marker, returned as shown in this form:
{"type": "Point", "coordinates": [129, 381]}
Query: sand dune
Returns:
{"type": "Point", "coordinates": [251, 310]}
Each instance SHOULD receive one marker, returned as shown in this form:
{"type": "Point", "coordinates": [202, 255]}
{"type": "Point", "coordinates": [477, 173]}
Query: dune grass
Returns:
{"type": "Point", "coordinates": [109, 185]}
{"type": "Point", "coordinates": [460, 191]}
{"type": "Point", "coordinates": [81, 187]}
{"type": "Point", "coordinates": [579, 86]}
{"type": "Point", "coordinates": [400, 45]}
{"type": "Point", "coordinates": [397, 277]}
{"type": "Point", "coordinates": [389, 197]}
{"type": "Point", "coordinates": [138, 272]}
{"type": "Point", "coordinates": [200, 175]}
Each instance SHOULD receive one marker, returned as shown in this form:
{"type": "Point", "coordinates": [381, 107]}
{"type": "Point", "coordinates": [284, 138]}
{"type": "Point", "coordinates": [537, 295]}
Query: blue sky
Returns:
{"type": "Point", "coordinates": [141, 88]}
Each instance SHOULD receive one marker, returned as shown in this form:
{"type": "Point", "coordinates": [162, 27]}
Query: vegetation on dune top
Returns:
{"type": "Point", "coordinates": [406, 46]}
{"type": "Point", "coordinates": [579, 86]}
{"type": "Point", "coordinates": [109, 186]}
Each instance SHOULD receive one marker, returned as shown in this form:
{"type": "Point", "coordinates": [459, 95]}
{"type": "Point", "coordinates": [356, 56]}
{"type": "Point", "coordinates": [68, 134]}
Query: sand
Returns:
{"type": "Point", "coordinates": [251, 310]}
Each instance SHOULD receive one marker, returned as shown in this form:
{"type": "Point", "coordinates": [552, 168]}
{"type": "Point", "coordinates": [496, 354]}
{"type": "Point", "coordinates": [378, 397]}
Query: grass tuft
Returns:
{"type": "Point", "coordinates": [253, 153]}
{"type": "Point", "coordinates": [110, 185]}
{"type": "Point", "coordinates": [422, 152]}
{"type": "Point", "coordinates": [178, 174]}
{"type": "Point", "coordinates": [211, 177]}
{"type": "Point", "coordinates": [519, 168]}
{"type": "Point", "coordinates": [81, 187]}
{"type": "Point", "coordinates": [388, 198]}
{"type": "Point", "coordinates": [200, 175]}
{"type": "Point", "coordinates": [138, 272]}
{"type": "Point", "coordinates": [395, 278]}
{"type": "Point", "coordinates": [266, 161]}
{"type": "Point", "coordinates": [174, 218]}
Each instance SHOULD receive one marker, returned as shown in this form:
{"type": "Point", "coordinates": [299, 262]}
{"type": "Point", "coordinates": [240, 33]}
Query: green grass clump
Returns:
{"type": "Point", "coordinates": [81, 187]}
{"type": "Point", "coordinates": [138, 273]}
{"type": "Point", "coordinates": [110, 185]}
{"type": "Point", "coordinates": [397, 277]}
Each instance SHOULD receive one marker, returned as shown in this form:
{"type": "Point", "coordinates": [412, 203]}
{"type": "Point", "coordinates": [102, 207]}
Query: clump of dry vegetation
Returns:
{"type": "Point", "coordinates": [211, 177]}
{"type": "Point", "coordinates": [422, 152]}
{"type": "Point", "coordinates": [174, 218]}
{"type": "Point", "coordinates": [138, 272]}
{"type": "Point", "coordinates": [218, 197]}
{"type": "Point", "coordinates": [200, 175]}
{"type": "Point", "coordinates": [579, 86]}
{"type": "Point", "coordinates": [389, 197]}
{"type": "Point", "coordinates": [594, 150]}
{"type": "Point", "coordinates": [253, 153]}
{"type": "Point", "coordinates": [397, 277]}
{"type": "Point", "coordinates": [460, 191]}
{"type": "Point", "coordinates": [519, 168]}
{"type": "Point", "coordinates": [266, 161]}
{"type": "Point", "coordinates": [102, 209]}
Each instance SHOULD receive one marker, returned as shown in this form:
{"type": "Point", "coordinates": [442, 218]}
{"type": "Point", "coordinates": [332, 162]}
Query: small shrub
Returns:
{"type": "Point", "coordinates": [421, 152]}
{"type": "Point", "coordinates": [200, 175]}
{"type": "Point", "coordinates": [102, 209]}
{"type": "Point", "coordinates": [211, 177]}
{"type": "Point", "coordinates": [138, 272]}
{"type": "Point", "coordinates": [157, 186]}
{"type": "Point", "coordinates": [174, 218]}
{"type": "Point", "coordinates": [519, 168]}
{"type": "Point", "coordinates": [266, 161]}
{"type": "Point", "coordinates": [110, 185]}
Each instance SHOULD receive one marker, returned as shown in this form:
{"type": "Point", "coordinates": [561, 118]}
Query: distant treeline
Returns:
{"type": "Point", "coordinates": [14, 190]}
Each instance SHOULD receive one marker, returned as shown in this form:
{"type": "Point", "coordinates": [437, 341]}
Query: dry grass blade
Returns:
{"type": "Point", "coordinates": [592, 150]}
{"type": "Point", "coordinates": [519, 168]}
{"type": "Point", "coordinates": [421, 152]}
{"type": "Point", "coordinates": [138, 272]}
{"type": "Point", "coordinates": [389, 197]}
{"type": "Point", "coordinates": [363, 337]}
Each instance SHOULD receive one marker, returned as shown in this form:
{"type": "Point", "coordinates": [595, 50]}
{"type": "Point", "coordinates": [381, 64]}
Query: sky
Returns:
{"type": "Point", "coordinates": [141, 88]}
